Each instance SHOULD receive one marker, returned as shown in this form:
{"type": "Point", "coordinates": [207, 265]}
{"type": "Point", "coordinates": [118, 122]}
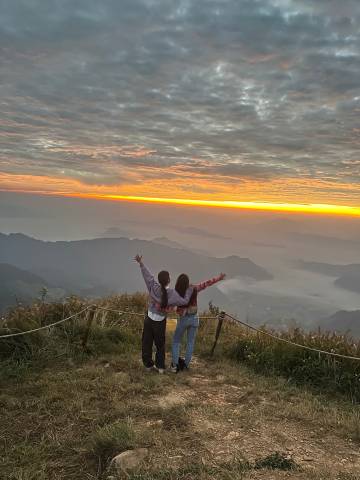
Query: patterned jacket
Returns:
{"type": "Point", "coordinates": [192, 308]}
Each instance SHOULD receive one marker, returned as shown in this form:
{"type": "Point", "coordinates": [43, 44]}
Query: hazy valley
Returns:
{"type": "Point", "coordinates": [267, 281]}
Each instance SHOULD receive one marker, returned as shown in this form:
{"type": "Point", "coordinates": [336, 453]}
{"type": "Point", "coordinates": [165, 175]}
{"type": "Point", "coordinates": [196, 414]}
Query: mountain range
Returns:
{"type": "Point", "coordinates": [346, 276]}
{"type": "Point", "coordinates": [343, 322]}
{"type": "Point", "coordinates": [105, 265]}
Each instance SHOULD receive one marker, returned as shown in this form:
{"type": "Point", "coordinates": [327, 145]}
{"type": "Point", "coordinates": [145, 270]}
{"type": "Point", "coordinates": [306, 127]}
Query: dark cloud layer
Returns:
{"type": "Point", "coordinates": [116, 91]}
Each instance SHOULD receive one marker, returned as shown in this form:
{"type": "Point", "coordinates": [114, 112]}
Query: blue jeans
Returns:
{"type": "Point", "coordinates": [190, 323]}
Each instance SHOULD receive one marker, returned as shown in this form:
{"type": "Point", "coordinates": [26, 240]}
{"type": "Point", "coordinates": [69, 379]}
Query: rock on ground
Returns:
{"type": "Point", "coordinates": [130, 459]}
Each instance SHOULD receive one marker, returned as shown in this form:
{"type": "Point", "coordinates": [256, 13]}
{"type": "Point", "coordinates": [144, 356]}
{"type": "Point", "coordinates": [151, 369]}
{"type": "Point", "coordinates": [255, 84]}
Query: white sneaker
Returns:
{"type": "Point", "coordinates": [174, 368]}
{"type": "Point", "coordinates": [161, 370]}
{"type": "Point", "coordinates": [150, 369]}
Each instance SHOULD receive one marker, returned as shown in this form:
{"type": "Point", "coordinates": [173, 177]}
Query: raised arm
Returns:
{"type": "Point", "coordinates": [202, 285]}
{"type": "Point", "coordinates": [148, 276]}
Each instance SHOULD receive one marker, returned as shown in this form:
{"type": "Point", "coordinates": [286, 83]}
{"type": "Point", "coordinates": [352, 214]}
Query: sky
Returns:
{"type": "Point", "coordinates": [236, 100]}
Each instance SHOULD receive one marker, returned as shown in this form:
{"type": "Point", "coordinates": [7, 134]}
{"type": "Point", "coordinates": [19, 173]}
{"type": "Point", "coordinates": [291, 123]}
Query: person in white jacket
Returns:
{"type": "Point", "coordinates": [161, 298]}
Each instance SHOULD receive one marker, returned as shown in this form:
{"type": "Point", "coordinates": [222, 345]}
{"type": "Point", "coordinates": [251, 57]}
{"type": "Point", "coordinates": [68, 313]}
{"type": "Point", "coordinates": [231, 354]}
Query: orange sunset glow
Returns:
{"type": "Point", "coordinates": [264, 206]}
{"type": "Point", "coordinates": [224, 117]}
{"type": "Point", "coordinates": [76, 189]}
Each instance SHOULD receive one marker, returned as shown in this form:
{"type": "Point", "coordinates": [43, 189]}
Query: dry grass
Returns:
{"type": "Point", "coordinates": [67, 421]}
{"type": "Point", "coordinates": [302, 367]}
{"type": "Point", "coordinates": [64, 416]}
{"type": "Point", "coordinates": [110, 440]}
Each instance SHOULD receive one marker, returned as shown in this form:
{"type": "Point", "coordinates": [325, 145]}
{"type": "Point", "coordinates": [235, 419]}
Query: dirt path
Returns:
{"type": "Point", "coordinates": [235, 421]}
{"type": "Point", "coordinates": [213, 422]}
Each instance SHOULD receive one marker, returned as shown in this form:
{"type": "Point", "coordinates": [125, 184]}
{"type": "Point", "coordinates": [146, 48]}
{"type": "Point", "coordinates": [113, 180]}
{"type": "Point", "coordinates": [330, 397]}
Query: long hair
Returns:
{"type": "Point", "coordinates": [182, 284]}
{"type": "Point", "coordinates": [164, 280]}
{"type": "Point", "coordinates": [193, 298]}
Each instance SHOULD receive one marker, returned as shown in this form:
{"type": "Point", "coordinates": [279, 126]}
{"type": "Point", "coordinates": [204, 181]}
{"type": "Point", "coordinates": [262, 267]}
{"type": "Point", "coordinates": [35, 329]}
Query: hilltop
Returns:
{"type": "Point", "coordinates": [66, 412]}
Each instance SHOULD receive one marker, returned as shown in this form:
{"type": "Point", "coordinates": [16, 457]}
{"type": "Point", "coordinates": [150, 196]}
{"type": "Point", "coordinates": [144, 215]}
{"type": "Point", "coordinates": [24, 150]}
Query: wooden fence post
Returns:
{"type": "Point", "coordinates": [88, 327]}
{"type": "Point", "coordinates": [218, 330]}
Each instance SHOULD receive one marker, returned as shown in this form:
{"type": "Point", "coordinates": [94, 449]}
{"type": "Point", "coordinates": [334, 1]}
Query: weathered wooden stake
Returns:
{"type": "Point", "coordinates": [88, 327]}
{"type": "Point", "coordinates": [218, 330]}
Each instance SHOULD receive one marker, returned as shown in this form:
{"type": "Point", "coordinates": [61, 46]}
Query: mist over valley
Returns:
{"type": "Point", "coordinates": [282, 270]}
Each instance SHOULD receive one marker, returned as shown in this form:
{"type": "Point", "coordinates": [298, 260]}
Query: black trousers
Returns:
{"type": "Point", "coordinates": [153, 332]}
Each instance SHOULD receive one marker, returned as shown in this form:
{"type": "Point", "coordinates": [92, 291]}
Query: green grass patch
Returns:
{"type": "Point", "coordinates": [110, 440]}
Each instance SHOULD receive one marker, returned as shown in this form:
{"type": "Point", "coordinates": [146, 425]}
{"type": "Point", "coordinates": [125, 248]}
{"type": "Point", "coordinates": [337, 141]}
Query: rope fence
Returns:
{"type": "Point", "coordinates": [44, 327]}
{"type": "Point", "coordinates": [141, 314]}
{"type": "Point", "coordinates": [118, 312]}
{"type": "Point", "coordinates": [220, 318]}
{"type": "Point", "coordinates": [299, 345]}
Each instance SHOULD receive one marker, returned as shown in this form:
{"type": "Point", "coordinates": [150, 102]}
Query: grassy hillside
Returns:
{"type": "Point", "coordinates": [66, 411]}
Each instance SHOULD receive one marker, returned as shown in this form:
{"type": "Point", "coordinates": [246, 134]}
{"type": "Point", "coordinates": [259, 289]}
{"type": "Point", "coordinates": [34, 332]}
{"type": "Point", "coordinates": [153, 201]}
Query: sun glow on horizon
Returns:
{"type": "Point", "coordinates": [254, 196]}
{"type": "Point", "coordinates": [312, 208]}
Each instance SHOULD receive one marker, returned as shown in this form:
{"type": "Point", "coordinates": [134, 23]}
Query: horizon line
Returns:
{"type": "Point", "coordinates": [318, 208]}
{"type": "Point", "coordinates": [310, 208]}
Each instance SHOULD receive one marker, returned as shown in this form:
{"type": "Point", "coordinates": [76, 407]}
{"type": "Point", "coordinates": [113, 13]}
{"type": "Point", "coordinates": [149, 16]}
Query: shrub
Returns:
{"type": "Point", "coordinates": [110, 340]}
{"type": "Point", "coordinates": [329, 374]}
{"type": "Point", "coordinates": [24, 318]}
{"type": "Point", "coordinates": [109, 333]}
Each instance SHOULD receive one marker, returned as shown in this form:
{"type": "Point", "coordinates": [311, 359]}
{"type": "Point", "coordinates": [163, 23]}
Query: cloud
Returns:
{"type": "Point", "coordinates": [129, 92]}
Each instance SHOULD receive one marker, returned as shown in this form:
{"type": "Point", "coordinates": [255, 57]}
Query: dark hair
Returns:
{"type": "Point", "coordinates": [182, 284]}
{"type": "Point", "coordinates": [164, 280]}
{"type": "Point", "coordinates": [193, 297]}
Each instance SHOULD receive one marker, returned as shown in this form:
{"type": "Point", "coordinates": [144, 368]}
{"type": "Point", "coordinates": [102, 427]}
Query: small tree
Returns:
{"type": "Point", "coordinates": [43, 293]}
{"type": "Point", "coordinates": [213, 309]}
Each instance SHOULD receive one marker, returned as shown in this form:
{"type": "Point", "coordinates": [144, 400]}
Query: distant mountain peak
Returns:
{"type": "Point", "coordinates": [168, 243]}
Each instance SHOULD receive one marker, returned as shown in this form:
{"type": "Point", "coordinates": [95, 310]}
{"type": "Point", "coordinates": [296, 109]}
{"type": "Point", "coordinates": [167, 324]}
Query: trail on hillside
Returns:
{"type": "Point", "coordinates": [203, 424]}
{"type": "Point", "coordinates": [236, 420]}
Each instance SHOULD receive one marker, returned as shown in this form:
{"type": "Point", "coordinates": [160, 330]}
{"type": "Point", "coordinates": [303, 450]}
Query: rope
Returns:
{"type": "Point", "coordinates": [45, 326]}
{"type": "Point", "coordinates": [141, 314]}
{"type": "Point", "coordinates": [207, 318]}
{"type": "Point", "coordinates": [280, 339]}
{"type": "Point", "coordinates": [98, 307]}
{"type": "Point", "coordinates": [124, 312]}
{"type": "Point", "coordinates": [119, 312]}
{"type": "Point", "coordinates": [305, 347]}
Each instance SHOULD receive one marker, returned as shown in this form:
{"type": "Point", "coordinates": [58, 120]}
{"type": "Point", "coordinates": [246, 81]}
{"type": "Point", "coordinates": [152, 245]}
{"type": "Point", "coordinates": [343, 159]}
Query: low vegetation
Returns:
{"type": "Point", "coordinates": [110, 440]}
{"type": "Point", "coordinates": [67, 338]}
{"type": "Point", "coordinates": [326, 374]}
{"type": "Point", "coordinates": [66, 410]}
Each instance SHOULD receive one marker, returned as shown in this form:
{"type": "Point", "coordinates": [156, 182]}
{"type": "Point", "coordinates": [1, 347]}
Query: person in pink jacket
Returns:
{"type": "Point", "coordinates": [188, 320]}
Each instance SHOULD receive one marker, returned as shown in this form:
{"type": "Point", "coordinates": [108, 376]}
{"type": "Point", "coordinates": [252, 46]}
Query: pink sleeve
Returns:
{"type": "Point", "coordinates": [202, 285]}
